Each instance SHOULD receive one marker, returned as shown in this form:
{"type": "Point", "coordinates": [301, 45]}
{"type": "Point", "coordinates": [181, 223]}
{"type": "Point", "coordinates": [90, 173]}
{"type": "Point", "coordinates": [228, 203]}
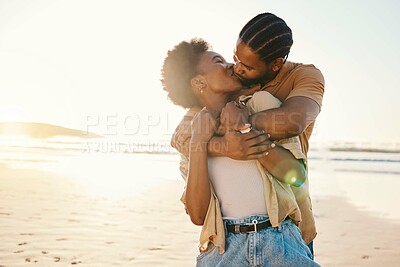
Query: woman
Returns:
{"type": "Point", "coordinates": [251, 201]}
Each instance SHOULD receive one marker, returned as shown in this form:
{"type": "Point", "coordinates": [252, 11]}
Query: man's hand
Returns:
{"type": "Point", "coordinates": [252, 145]}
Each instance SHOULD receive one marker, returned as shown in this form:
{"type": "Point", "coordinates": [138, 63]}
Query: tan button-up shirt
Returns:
{"type": "Point", "coordinates": [294, 79]}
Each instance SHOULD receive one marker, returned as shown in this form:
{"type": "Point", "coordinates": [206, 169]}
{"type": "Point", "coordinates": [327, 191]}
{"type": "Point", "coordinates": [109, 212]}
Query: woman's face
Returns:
{"type": "Point", "coordinates": [218, 73]}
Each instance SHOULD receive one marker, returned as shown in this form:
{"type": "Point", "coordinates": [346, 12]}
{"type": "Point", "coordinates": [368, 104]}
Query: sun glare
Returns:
{"type": "Point", "coordinates": [14, 114]}
{"type": "Point", "coordinates": [112, 176]}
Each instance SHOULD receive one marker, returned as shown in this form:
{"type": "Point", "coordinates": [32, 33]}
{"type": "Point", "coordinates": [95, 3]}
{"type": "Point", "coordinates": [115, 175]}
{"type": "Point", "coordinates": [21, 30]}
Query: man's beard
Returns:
{"type": "Point", "coordinates": [247, 83]}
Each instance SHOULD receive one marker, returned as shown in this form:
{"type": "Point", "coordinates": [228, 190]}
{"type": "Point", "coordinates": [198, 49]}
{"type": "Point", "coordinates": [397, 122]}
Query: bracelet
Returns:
{"type": "Point", "coordinates": [246, 130]}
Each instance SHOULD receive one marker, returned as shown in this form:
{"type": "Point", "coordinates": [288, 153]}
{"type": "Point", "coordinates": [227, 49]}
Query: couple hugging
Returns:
{"type": "Point", "coordinates": [244, 144]}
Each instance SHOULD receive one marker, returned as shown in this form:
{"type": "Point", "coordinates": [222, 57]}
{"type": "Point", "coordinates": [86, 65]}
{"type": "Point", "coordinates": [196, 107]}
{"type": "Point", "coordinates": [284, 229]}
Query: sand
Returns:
{"type": "Point", "coordinates": [47, 219]}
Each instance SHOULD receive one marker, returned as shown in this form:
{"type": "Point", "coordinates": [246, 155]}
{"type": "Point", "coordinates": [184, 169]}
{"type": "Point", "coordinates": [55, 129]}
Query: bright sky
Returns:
{"type": "Point", "coordinates": [97, 64]}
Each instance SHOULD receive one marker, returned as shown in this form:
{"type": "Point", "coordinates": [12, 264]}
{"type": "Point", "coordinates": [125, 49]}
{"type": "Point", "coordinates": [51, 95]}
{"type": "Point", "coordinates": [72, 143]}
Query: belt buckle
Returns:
{"type": "Point", "coordinates": [254, 222]}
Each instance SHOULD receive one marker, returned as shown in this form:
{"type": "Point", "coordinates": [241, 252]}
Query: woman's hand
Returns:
{"type": "Point", "coordinates": [235, 117]}
{"type": "Point", "coordinates": [204, 125]}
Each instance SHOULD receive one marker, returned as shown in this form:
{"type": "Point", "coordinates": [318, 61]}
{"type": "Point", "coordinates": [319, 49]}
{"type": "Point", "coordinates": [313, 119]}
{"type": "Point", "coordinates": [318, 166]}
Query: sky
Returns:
{"type": "Point", "coordinates": [95, 65]}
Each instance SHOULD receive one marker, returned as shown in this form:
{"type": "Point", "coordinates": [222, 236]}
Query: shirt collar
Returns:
{"type": "Point", "coordinates": [281, 74]}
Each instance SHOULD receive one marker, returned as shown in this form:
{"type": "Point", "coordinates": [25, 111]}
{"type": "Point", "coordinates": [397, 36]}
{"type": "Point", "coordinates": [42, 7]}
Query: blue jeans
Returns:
{"type": "Point", "coordinates": [311, 247]}
{"type": "Point", "coordinates": [278, 247]}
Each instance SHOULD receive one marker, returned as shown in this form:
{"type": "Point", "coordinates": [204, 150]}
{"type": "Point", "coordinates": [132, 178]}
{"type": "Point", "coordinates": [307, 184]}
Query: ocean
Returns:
{"type": "Point", "coordinates": [366, 174]}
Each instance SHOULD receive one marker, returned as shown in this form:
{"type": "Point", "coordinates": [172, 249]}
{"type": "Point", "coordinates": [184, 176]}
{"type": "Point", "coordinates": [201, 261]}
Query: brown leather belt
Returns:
{"type": "Point", "coordinates": [247, 229]}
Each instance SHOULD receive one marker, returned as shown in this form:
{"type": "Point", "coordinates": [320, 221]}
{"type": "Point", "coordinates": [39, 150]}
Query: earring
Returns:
{"type": "Point", "coordinates": [201, 89]}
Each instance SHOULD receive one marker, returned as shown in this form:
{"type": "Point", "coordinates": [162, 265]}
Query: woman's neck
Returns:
{"type": "Point", "coordinates": [215, 103]}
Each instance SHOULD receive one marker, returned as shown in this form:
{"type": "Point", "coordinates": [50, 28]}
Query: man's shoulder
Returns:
{"type": "Point", "coordinates": [305, 70]}
{"type": "Point", "coordinates": [306, 81]}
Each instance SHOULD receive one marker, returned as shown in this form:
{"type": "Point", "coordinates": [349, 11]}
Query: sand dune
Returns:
{"type": "Point", "coordinates": [41, 130]}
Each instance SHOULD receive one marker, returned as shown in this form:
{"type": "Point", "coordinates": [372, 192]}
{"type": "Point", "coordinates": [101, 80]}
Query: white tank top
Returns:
{"type": "Point", "coordinates": [239, 187]}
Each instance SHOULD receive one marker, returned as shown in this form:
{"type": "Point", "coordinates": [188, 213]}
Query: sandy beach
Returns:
{"type": "Point", "coordinates": [50, 218]}
{"type": "Point", "coordinates": [93, 91]}
{"type": "Point", "coordinates": [48, 221]}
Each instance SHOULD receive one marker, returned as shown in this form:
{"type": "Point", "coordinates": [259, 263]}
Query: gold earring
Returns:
{"type": "Point", "coordinates": [201, 89]}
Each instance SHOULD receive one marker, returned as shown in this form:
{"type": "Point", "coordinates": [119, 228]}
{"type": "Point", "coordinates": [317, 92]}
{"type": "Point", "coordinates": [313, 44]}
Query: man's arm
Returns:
{"type": "Point", "coordinates": [284, 166]}
{"type": "Point", "coordinates": [289, 120]}
{"type": "Point", "coordinates": [279, 162]}
{"type": "Point", "coordinates": [235, 145]}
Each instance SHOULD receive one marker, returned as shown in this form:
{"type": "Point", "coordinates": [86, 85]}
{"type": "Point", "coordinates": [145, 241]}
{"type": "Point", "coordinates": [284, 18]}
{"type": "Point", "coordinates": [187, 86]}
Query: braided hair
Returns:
{"type": "Point", "coordinates": [268, 36]}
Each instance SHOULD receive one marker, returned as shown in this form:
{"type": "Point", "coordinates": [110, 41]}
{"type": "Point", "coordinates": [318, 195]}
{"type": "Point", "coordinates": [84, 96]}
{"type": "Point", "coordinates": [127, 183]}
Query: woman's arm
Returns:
{"type": "Point", "coordinates": [233, 144]}
{"type": "Point", "coordinates": [198, 191]}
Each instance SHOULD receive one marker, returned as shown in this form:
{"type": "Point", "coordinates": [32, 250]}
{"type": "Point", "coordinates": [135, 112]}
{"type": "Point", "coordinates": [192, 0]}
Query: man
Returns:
{"type": "Point", "coordinates": [260, 56]}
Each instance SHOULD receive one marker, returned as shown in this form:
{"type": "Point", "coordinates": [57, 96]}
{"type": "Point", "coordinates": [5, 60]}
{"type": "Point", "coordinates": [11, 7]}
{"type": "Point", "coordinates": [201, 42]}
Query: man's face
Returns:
{"type": "Point", "coordinates": [249, 67]}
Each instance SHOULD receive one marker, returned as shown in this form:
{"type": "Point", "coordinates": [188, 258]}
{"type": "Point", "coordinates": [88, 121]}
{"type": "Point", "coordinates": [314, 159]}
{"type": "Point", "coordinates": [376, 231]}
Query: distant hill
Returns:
{"type": "Point", "coordinates": [41, 130]}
